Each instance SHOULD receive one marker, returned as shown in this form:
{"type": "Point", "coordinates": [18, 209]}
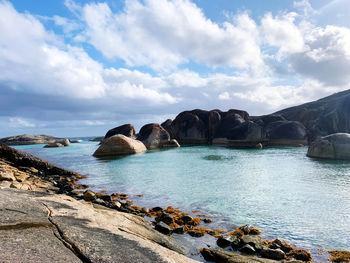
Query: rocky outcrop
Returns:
{"type": "Point", "coordinates": [97, 139]}
{"type": "Point", "coordinates": [27, 139]}
{"type": "Point", "coordinates": [77, 232]}
{"type": "Point", "coordinates": [191, 127]}
{"type": "Point", "coordinates": [334, 146]}
{"type": "Point", "coordinates": [167, 126]}
{"type": "Point", "coordinates": [322, 117]}
{"type": "Point", "coordinates": [58, 143]}
{"type": "Point", "coordinates": [126, 129]}
{"type": "Point", "coordinates": [202, 127]}
{"type": "Point", "coordinates": [155, 136]}
{"type": "Point", "coordinates": [286, 133]}
{"type": "Point", "coordinates": [119, 145]}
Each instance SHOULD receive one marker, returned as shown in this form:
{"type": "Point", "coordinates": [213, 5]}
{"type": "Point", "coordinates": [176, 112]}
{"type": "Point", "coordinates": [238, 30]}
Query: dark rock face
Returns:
{"type": "Point", "coordinates": [286, 133]}
{"type": "Point", "coordinates": [126, 129]}
{"type": "Point", "coordinates": [323, 117]}
{"type": "Point", "coordinates": [191, 127]}
{"type": "Point", "coordinates": [335, 146]}
{"type": "Point", "coordinates": [201, 127]}
{"type": "Point", "coordinates": [154, 136]}
{"type": "Point", "coordinates": [167, 126]}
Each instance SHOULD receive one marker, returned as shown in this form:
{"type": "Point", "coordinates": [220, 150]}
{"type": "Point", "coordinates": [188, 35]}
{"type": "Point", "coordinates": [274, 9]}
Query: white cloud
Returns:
{"type": "Point", "coordinates": [34, 60]}
{"type": "Point", "coordinates": [163, 34]}
{"type": "Point", "coordinates": [224, 96]}
{"type": "Point", "coordinates": [281, 32]}
{"type": "Point", "coordinates": [327, 56]}
{"type": "Point", "coordinates": [17, 122]}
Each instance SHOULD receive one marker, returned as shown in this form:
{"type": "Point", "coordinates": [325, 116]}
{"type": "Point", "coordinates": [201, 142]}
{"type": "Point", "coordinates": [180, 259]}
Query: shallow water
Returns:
{"type": "Point", "coordinates": [279, 190]}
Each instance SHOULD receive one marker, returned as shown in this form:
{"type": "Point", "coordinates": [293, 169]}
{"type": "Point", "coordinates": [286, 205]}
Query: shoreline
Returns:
{"type": "Point", "coordinates": [121, 203]}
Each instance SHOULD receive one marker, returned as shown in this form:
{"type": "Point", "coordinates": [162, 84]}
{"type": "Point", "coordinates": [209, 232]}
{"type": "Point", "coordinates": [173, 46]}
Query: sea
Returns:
{"type": "Point", "coordinates": [279, 190]}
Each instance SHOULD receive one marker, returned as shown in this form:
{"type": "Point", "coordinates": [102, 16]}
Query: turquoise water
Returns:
{"type": "Point", "coordinates": [279, 190]}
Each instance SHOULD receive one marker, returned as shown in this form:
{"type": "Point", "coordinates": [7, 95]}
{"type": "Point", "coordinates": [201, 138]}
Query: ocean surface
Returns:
{"type": "Point", "coordinates": [279, 190]}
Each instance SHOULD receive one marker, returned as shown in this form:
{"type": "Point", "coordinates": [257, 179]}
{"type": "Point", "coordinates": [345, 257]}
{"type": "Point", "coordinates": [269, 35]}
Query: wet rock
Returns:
{"type": "Point", "coordinates": [249, 230]}
{"type": "Point", "coordinates": [276, 254]}
{"type": "Point", "coordinates": [119, 145]}
{"type": "Point", "coordinates": [89, 195]}
{"type": "Point", "coordinates": [186, 219]}
{"type": "Point", "coordinates": [225, 241]}
{"type": "Point", "coordinates": [284, 246]}
{"type": "Point", "coordinates": [247, 249]}
{"type": "Point", "coordinates": [254, 241]}
{"type": "Point", "coordinates": [166, 218]}
{"type": "Point", "coordinates": [300, 254]}
{"type": "Point", "coordinates": [156, 209]}
{"type": "Point", "coordinates": [163, 228]}
{"type": "Point", "coordinates": [179, 230]}
{"type": "Point", "coordinates": [207, 220]}
{"type": "Point", "coordinates": [223, 256]}
{"type": "Point", "coordinates": [236, 242]}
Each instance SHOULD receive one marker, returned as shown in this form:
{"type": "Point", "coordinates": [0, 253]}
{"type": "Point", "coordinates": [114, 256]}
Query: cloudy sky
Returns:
{"type": "Point", "coordinates": [79, 68]}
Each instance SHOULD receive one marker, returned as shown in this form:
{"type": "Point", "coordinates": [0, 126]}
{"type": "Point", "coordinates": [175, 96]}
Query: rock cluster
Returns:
{"type": "Point", "coordinates": [245, 239]}
{"type": "Point", "coordinates": [234, 128]}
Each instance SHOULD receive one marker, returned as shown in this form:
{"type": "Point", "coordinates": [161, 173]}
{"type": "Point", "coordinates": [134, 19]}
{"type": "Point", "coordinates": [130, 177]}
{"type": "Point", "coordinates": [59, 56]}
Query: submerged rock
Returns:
{"type": "Point", "coordinates": [119, 145]}
{"type": "Point", "coordinates": [335, 146]}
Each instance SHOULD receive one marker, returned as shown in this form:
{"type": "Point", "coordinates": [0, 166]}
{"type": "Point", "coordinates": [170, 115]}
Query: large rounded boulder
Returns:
{"type": "Point", "coordinates": [191, 127]}
{"type": "Point", "coordinates": [154, 136]}
{"type": "Point", "coordinates": [119, 145]}
{"type": "Point", "coordinates": [126, 130]}
{"type": "Point", "coordinates": [335, 146]}
{"type": "Point", "coordinates": [291, 133]}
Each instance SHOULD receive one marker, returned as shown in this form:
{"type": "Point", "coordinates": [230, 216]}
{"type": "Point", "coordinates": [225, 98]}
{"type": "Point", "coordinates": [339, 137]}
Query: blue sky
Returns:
{"type": "Point", "coordinates": [79, 68]}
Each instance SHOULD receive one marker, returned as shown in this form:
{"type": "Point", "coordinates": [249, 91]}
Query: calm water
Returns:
{"type": "Point", "coordinates": [278, 190]}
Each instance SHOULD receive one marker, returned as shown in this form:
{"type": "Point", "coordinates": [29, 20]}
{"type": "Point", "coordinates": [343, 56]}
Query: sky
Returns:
{"type": "Point", "coordinates": [80, 67]}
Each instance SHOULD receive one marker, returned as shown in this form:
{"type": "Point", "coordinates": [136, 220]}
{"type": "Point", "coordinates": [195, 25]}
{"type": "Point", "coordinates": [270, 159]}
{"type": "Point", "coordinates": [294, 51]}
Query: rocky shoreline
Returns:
{"type": "Point", "coordinates": [23, 171]}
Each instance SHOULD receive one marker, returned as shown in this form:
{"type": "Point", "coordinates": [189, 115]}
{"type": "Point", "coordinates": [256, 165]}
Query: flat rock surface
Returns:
{"type": "Point", "coordinates": [40, 227]}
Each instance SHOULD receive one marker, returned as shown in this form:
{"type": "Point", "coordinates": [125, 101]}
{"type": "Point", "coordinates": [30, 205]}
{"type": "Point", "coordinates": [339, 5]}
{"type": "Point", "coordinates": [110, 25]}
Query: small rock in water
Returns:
{"type": "Point", "coordinates": [166, 218]}
{"type": "Point", "coordinates": [207, 220]}
{"type": "Point", "coordinates": [284, 246]}
{"type": "Point", "coordinates": [300, 254]}
{"type": "Point", "coordinates": [163, 228]}
{"type": "Point", "coordinates": [179, 230]}
{"type": "Point", "coordinates": [156, 209]}
{"type": "Point", "coordinates": [276, 254]}
{"type": "Point", "coordinates": [186, 219]}
{"type": "Point", "coordinates": [225, 241]}
{"type": "Point", "coordinates": [248, 249]}
{"type": "Point", "coordinates": [89, 195]}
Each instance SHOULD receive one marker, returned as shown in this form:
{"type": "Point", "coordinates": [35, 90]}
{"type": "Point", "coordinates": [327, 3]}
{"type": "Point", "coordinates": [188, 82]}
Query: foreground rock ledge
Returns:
{"type": "Point", "coordinates": [76, 232]}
